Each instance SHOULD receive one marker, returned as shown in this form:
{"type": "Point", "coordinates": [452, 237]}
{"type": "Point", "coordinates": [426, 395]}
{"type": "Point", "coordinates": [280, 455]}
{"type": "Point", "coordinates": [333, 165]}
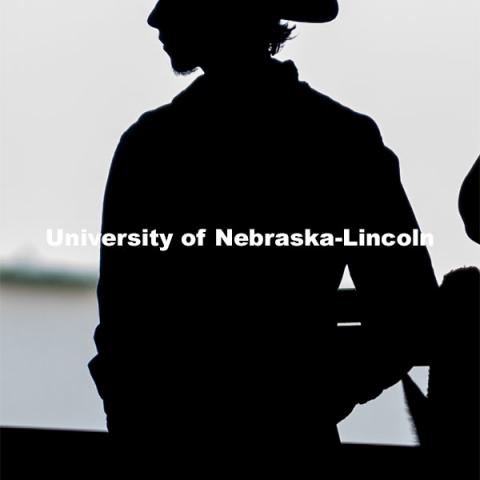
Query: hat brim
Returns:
{"type": "Point", "coordinates": [311, 11]}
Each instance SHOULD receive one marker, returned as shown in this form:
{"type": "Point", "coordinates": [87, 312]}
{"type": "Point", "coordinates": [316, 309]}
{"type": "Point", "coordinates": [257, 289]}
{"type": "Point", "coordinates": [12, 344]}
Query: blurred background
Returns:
{"type": "Point", "coordinates": [75, 75]}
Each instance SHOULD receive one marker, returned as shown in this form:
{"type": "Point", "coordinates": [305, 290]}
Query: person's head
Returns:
{"type": "Point", "coordinates": [210, 34]}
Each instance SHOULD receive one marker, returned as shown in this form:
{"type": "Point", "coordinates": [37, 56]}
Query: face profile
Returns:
{"type": "Point", "coordinates": [177, 32]}
{"type": "Point", "coordinates": [201, 34]}
{"type": "Point", "coordinates": [193, 37]}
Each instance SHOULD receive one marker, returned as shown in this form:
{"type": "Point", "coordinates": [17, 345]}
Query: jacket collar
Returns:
{"type": "Point", "coordinates": [271, 82]}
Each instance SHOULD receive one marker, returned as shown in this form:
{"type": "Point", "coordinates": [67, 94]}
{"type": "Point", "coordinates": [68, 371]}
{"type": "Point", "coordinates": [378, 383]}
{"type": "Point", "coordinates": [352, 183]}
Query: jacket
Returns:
{"type": "Point", "coordinates": [211, 342]}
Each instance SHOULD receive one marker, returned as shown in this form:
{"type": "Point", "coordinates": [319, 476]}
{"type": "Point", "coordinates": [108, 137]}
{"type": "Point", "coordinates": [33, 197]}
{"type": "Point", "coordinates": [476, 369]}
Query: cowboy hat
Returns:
{"type": "Point", "coordinates": [314, 11]}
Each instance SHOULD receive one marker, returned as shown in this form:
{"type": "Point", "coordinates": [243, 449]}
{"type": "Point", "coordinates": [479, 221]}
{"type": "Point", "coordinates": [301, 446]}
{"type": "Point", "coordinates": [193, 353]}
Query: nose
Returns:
{"type": "Point", "coordinates": [154, 17]}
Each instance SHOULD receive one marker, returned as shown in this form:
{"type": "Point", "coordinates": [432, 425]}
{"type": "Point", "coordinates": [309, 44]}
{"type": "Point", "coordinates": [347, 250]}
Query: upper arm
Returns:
{"type": "Point", "coordinates": [385, 209]}
{"type": "Point", "coordinates": [118, 207]}
{"type": "Point", "coordinates": [124, 269]}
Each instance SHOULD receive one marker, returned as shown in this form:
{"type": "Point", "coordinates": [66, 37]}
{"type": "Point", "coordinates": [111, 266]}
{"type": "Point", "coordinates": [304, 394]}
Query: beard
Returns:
{"type": "Point", "coordinates": [182, 70]}
{"type": "Point", "coordinates": [182, 63]}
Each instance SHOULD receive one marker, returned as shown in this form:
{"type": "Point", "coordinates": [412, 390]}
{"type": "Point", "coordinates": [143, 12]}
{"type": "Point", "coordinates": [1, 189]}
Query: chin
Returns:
{"type": "Point", "coordinates": [182, 57]}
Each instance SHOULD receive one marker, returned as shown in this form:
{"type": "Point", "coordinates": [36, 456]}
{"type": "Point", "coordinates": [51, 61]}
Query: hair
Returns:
{"type": "Point", "coordinates": [261, 33]}
{"type": "Point", "coordinates": [277, 34]}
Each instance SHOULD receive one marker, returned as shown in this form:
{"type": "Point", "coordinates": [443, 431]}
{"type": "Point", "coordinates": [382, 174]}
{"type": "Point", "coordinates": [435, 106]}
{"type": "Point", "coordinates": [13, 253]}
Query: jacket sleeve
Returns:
{"type": "Point", "coordinates": [123, 284]}
{"type": "Point", "coordinates": [383, 208]}
{"type": "Point", "coordinates": [396, 283]}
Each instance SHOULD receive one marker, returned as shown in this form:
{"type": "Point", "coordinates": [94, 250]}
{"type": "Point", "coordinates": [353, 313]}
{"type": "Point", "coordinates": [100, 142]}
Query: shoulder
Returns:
{"type": "Point", "coordinates": [357, 135]}
{"type": "Point", "coordinates": [164, 118]}
{"type": "Point", "coordinates": [134, 150]}
{"type": "Point", "coordinates": [341, 116]}
{"type": "Point", "coordinates": [152, 121]}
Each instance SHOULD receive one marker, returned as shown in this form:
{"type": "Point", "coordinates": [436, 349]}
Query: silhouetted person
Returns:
{"type": "Point", "coordinates": [447, 419]}
{"type": "Point", "coordinates": [469, 202]}
{"type": "Point", "coordinates": [225, 360]}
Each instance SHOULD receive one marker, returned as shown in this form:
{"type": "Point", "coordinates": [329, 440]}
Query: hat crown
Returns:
{"type": "Point", "coordinates": [314, 11]}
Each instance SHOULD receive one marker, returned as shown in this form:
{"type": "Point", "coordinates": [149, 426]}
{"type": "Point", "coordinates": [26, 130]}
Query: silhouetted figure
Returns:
{"type": "Point", "coordinates": [447, 420]}
{"type": "Point", "coordinates": [225, 360]}
{"type": "Point", "coordinates": [469, 202]}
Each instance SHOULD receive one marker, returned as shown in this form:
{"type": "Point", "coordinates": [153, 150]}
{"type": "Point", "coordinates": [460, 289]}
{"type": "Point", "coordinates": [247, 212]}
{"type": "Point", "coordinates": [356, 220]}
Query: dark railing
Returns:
{"type": "Point", "coordinates": [55, 454]}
